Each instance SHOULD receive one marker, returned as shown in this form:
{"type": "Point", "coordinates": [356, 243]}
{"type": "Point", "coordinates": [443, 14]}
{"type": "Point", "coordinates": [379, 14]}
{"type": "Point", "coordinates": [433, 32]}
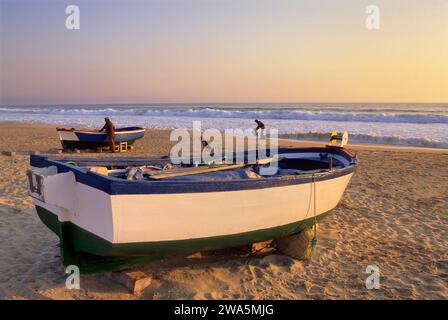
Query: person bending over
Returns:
{"type": "Point", "coordinates": [110, 131]}
{"type": "Point", "coordinates": [260, 126]}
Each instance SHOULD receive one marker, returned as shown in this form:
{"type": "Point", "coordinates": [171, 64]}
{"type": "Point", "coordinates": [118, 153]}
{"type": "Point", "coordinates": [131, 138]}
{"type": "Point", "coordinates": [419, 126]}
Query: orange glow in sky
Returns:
{"type": "Point", "coordinates": [224, 51]}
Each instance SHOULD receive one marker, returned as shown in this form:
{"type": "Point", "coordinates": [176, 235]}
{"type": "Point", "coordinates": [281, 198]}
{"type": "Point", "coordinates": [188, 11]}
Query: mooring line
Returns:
{"type": "Point", "coordinates": [314, 240]}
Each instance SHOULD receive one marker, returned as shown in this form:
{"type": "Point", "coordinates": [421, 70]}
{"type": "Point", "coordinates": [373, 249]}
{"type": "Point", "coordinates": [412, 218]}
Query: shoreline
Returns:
{"type": "Point", "coordinates": [373, 146]}
{"type": "Point", "coordinates": [357, 146]}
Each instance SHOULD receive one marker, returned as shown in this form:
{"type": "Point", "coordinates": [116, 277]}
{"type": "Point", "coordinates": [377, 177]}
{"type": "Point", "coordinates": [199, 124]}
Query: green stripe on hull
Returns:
{"type": "Point", "coordinates": [94, 254]}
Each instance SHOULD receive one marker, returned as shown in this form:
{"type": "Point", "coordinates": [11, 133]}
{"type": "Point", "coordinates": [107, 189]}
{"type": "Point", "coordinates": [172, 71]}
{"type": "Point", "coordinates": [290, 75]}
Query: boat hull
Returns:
{"type": "Point", "coordinates": [77, 244]}
{"type": "Point", "coordinates": [146, 227]}
{"type": "Point", "coordinates": [105, 222]}
{"type": "Point", "coordinates": [75, 139]}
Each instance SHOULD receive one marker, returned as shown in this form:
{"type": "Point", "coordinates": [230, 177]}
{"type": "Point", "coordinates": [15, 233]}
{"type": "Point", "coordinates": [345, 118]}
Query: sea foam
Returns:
{"type": "Point", "coordinates": [417, 125]}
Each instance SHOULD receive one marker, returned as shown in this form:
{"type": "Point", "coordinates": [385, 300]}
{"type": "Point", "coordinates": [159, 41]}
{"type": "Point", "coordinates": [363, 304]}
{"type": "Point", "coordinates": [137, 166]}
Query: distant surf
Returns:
{"type": "Point", "coordinates": [404, 124]}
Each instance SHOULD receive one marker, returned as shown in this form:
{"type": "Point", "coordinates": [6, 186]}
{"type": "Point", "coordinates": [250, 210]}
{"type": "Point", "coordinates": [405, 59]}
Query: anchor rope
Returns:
{"type": "Point", "coordinates": [314, 199]}
{"type": "Point", "coordinates": [314, 240]}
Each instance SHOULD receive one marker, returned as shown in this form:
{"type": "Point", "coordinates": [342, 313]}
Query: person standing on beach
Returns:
{"type": "Point", "coordinates": [110, 131]}
{"type": "Point", "coordinates": [260, 125]}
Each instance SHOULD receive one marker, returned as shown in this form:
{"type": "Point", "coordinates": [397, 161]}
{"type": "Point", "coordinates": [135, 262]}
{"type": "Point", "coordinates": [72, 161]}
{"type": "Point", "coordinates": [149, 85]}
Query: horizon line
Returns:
{"type": "Point", "coordinates": [215, 102]}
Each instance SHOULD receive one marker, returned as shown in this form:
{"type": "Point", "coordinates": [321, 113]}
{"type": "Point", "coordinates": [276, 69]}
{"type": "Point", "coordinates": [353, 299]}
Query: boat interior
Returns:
{"type": "Point", "coordinates": [145, 168]}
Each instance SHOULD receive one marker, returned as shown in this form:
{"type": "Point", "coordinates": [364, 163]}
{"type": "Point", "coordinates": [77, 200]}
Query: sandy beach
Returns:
{"type": "Point", "coordinates": [394, 214]}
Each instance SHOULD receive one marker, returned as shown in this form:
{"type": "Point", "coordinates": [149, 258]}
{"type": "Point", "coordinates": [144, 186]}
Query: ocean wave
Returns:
{"type": "Point", "coordinates": [415, 134]}
{"type": "Point", "coordinates": [361, 116]}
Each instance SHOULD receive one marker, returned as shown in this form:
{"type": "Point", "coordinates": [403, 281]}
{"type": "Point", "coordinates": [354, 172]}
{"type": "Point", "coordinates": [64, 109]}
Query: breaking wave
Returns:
{"type": "Point", "coordinates": [416, 125]}
{"type": "Point", "coordinates": [367, 115]}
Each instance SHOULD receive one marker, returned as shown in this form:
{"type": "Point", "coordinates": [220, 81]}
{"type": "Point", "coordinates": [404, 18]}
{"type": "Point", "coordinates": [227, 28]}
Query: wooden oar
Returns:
{"type": "Point", "coordinates": [177, 172]}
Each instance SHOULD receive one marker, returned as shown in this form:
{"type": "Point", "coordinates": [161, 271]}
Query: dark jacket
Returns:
{"type": "Point", "coordinates": [109, 127]}
{"type": "Point", "coordinates": [260, 125]}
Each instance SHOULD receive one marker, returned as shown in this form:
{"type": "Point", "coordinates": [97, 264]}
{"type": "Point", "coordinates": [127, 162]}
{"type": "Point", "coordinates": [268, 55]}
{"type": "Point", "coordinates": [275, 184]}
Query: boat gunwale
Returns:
{"type": "Point", "coordinates": [117, 131]}
{"type": "Point", "coordinates": [115, 186]}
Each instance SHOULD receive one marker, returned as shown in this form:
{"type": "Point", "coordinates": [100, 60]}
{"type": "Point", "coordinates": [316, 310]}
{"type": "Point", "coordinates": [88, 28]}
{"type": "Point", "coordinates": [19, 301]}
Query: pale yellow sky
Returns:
{"type": "Point", "coordinates": [224, 51]}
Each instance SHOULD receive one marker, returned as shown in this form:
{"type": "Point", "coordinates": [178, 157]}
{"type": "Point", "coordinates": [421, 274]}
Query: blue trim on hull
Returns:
{"type": "Point", "coordinates": [99, 139]}
{"type": "Point", "coordinates": [115, 186]}
{"type": "Point", "coordinates": [102, 138]}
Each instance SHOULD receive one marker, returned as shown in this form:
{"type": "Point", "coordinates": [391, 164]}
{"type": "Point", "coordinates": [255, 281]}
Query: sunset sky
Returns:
{"type": "Point", "coordinates": [223, 51]}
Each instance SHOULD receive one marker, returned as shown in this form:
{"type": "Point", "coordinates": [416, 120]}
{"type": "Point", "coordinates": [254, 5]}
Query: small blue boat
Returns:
{"type": "Point", "coordinates": [91, 139]}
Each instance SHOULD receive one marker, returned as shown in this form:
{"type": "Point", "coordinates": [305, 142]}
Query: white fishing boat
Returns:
{"type": "Point", "coordinates": [105, 217]}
